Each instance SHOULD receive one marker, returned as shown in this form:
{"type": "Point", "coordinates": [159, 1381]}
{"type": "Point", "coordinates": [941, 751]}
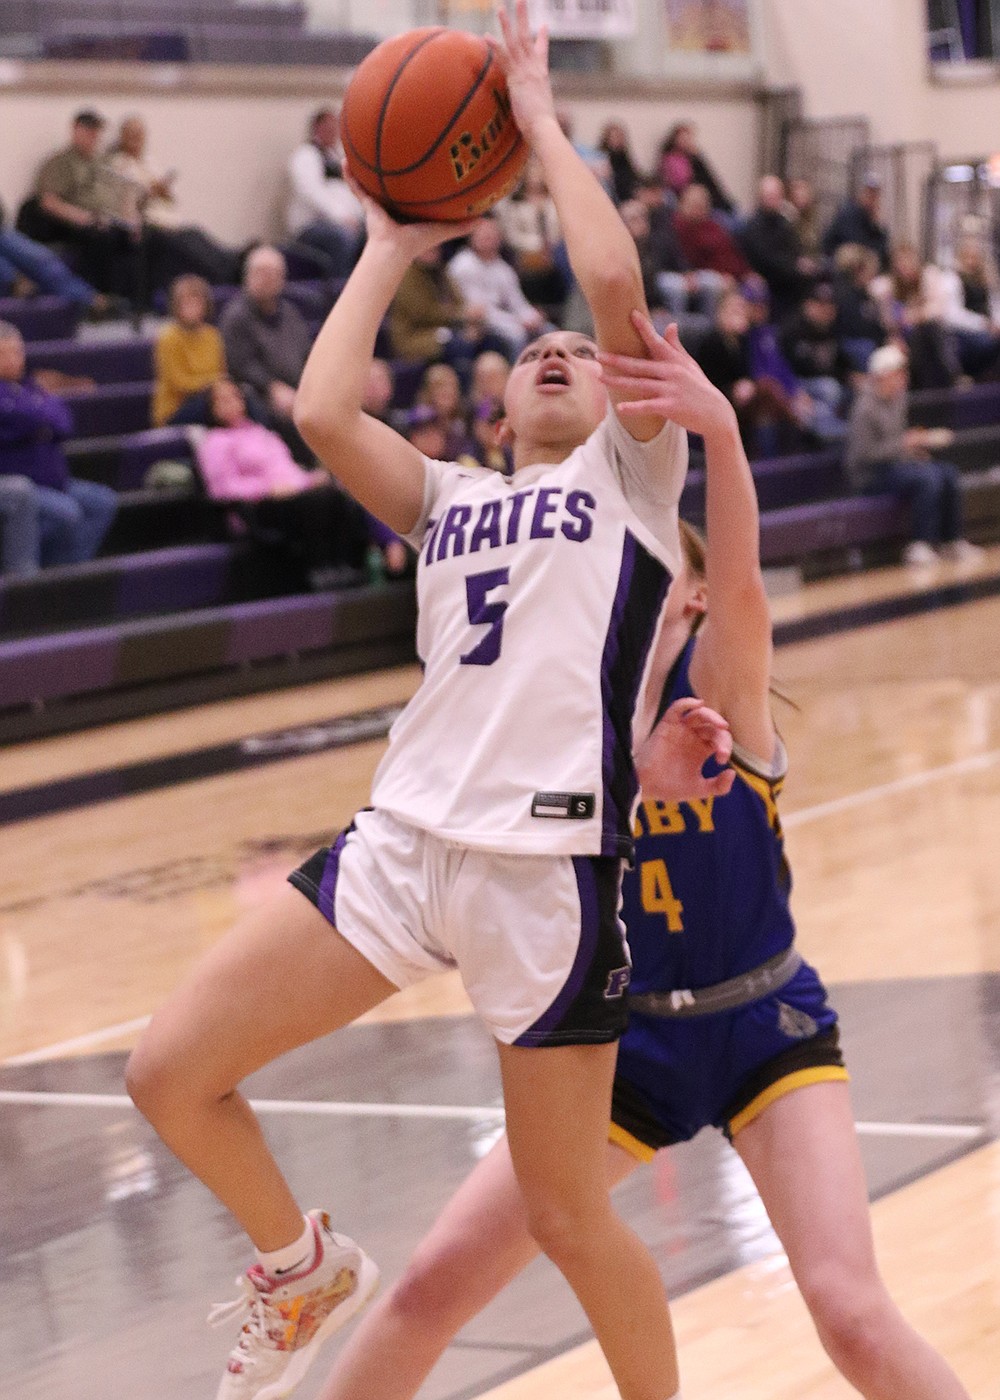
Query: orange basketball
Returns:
{"type": "Point", "coordinates": [427, 126]}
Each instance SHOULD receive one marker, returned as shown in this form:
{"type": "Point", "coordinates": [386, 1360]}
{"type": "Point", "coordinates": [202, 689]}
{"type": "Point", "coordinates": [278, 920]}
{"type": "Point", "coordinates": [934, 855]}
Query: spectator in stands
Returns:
{"type": "Point", "coordinates": [429, 319]}
{"type": "Point", "coordinates": [74, 516]}
{"type": "Point", "coordinates": [441, 391]}
{"type": "Point", "coordinates": [78, 202]}
{"type": "Point", "coordinates": [766, 416]}
{"type": "Point", "coordinates": [27, 266]}
{"type": "Point", "coordinates": [859, 320]}
{"type": "Point", "coordinates": [683, 289]}
{"type": "Point", "coordinates": [815, 404]}
{"type": "Point", "coordinates": [531, 232]}
{"type": "Point", "coordinates": [189, 356]}
{"type": "Point", "coordinates": [803, 210]}
{"type": "Point", "coordinates": [19, 529]}
{"type": "Point", "coordinates": [267, 341]}
{"type": "Point", "coordinates": [774, 249]}
{"type": "Point", "coordinates": [970, 294]}
{"type": "Point", "coordinates": [910, 300]}
{"type": "Point", "coordinates": [858, 221]}
{"type": "Point", "coordinates": [304, 511]}
{"type": "Point", "coordinates": [485, 279]}
{"type": "Point", "coordinates": [323, 211]}
{"type": "Point", "coordinates": [172, 246]}
{"type": "Point", "coordinates": [624, 175]}
{"type": "Point", "coordinates": [813, 348]}
{"type": "Point", "coordinates": [682, 165]}
{"type": "Point", "coordinates": [884, 455]}
{"type": "Point", "coordinates": [490, 372]}
{"type": "Point", "coordinates": [703, 240]}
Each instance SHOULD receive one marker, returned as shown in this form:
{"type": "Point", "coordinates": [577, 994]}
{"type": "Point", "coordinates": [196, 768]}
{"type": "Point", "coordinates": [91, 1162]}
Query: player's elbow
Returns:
{"type": "Point", "coordinates": [318, 421]}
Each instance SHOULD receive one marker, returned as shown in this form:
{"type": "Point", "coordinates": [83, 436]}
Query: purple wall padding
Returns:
{"type": "Point", "coordinates": [280, 626]}
{"type": "Point", "coordinates": [844, 524]}
{"type": "Point", "coordinates": [42, 668]}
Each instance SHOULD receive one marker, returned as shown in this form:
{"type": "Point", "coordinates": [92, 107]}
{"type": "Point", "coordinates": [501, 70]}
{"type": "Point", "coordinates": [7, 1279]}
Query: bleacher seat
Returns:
{"type": "Point", "coordinates": [110, 408]}
{"type": "Point", "coordinates": [123, 460]}
{"type": "Point", "coordinates": [126, 361]}
{"type": "Point", "coordinates": [40, 318]}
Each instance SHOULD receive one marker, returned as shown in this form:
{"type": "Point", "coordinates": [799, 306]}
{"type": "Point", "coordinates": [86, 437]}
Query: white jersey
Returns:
{"type": "Point", "coordinates": [539, 599]}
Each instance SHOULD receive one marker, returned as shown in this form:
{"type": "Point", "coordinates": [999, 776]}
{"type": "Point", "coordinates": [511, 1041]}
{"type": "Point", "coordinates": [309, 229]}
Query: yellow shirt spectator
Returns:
{"type": "Point", "coordinates": [187, 361]}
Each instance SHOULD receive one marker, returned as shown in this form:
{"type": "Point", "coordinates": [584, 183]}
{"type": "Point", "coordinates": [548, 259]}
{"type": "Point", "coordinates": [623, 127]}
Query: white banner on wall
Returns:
{"type": "Point", "coordinates": [585, 19]}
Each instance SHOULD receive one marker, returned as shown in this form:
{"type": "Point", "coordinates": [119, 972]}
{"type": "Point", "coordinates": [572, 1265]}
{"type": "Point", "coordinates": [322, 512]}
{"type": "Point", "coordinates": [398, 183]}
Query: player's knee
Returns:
{"type": "Point", "coordinates": [428, 1299]}
{"type": "Point", "coordinates": [560, 1231]}
{"type": "Point", "coordinates": [157, 1081]}
{"type": "Point", "coordinates": [850, 1317]}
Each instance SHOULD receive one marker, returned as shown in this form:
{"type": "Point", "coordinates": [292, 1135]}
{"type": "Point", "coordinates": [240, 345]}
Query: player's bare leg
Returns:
{"type": "Point", "coordinates": [477, 1245]}
{"type": "Point", "coordinates": [558, 1102]}
{"type": "Point", "coordinates": [803, 1155]}
{"type": "Point", "coordinates": [281, 978]}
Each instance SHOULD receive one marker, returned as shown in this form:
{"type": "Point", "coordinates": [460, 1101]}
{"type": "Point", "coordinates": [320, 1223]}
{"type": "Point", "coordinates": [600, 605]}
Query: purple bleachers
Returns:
{"type": "Point", "coordinates": [40, 318]}
{"type": "Point", "coordinates": [110, 409]}
{"type": "Point", "coordinates": [976, 406]}
{"type": "Point", "coordinates": [106, 361]}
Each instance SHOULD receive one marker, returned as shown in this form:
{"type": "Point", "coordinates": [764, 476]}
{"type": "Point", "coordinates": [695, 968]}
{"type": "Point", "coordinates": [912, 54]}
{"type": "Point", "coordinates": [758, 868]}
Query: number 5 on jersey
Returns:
{"type": "Point", "coordinates": [485, 613]}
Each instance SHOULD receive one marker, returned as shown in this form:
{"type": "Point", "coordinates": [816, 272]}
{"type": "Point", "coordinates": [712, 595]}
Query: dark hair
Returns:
{"type": "Point", "coordinates": [670, 140]}
{"type": "Point", "coordinates": [318, 116]}
{"type": "Point", "coordinates": [90, 119]}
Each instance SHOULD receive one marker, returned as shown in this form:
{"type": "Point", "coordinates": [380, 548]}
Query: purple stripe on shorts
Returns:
{"type": "Point", "coordinates": [587, 947]}
{"type": "Point", "coordinates": [610, 814]}
{"type": "Point", "coordinates": [327, 897]}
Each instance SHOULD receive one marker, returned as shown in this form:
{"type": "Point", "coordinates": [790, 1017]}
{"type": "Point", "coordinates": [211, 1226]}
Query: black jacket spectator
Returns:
{"type": "Point", "coordinates": [774, 249]}
{"type": "Point", "coordinates": [810, 341]}
{"type": "Point", "coordinates": [858, 222]}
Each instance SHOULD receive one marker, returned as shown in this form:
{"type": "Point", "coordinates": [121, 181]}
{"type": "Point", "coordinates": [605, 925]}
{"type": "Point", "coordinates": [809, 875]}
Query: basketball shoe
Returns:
{"type": "Point", "coordinates": [287, 1320]}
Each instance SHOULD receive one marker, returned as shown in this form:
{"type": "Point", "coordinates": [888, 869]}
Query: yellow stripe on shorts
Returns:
{"type": "Point", "coordinates": [640, 1150]}
{"type": "Point", "coordinates": [816, 1074]}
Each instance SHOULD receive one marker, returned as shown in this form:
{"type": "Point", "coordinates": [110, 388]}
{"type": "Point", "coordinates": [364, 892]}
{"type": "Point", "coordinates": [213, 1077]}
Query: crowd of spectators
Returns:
{"type": "Point", "coordinates": [787, 316]}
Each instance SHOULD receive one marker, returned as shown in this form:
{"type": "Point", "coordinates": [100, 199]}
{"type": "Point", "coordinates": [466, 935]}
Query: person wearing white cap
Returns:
{"type": "Point", "coordinates": [885, 455]}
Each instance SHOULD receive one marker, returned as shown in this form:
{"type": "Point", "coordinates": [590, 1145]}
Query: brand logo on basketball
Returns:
{"type": "Point", "coordinates": [468, 151]}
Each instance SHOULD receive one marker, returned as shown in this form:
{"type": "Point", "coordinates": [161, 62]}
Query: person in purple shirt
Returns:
{"type": "Point", "coordinates": [74, 516]}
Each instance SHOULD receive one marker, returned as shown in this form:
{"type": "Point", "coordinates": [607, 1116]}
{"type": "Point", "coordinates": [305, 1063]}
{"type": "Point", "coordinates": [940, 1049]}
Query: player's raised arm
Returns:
{"type": "Point", "coordinates": [602, 252]}
{"type": "Point", "coordinates": [732, 664]}
{"type": "Point", "coordinates": [378, 466]}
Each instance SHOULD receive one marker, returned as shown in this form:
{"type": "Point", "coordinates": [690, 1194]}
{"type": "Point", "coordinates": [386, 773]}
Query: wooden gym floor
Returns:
{"type": "Point", "coordinates": [113, 1253]}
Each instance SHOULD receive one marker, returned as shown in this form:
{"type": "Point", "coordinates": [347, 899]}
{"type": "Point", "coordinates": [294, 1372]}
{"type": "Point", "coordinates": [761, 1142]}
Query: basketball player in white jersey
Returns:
{"type": "Point", "coordinates": [501, 811]}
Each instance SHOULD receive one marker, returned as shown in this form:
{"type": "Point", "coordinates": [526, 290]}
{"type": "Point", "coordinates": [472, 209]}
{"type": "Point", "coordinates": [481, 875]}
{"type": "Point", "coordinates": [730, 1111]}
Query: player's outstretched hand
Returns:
{"type": "Point", "coordinates": [524, 59]}
{"type": "Point", "coordinates": [668, 383]}
{"type": "Point", "coordinates": [670, 761]}
{"type": "Point", "coordinates": [411, 239]}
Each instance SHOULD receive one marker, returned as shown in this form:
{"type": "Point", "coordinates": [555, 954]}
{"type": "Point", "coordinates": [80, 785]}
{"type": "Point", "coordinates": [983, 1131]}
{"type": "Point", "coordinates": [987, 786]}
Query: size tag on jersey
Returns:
{"type": "Point", "coordinates": [568, 806]}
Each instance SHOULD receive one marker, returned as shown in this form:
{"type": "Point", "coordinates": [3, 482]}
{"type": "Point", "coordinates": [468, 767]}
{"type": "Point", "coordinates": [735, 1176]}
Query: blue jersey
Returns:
{"type": "Point", "coordinates": [708, 897]}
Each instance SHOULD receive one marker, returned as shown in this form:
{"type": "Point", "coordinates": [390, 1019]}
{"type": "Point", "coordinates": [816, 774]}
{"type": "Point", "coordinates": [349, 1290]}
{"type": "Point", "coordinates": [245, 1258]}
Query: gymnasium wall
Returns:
{"type": "Point", "coordinates": [869, 58]}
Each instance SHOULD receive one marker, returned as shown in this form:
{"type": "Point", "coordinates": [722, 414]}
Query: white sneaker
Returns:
{"type": "Point", "coordinates": [961, 552]}
{"type": "Point", "coordinates": [919, 554]}
{"type": "Point", "coordinates": [286, 1322]}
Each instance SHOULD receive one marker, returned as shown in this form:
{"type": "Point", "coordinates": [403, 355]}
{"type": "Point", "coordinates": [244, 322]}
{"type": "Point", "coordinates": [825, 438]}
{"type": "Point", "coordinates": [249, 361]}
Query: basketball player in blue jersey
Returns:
{"type": "Point", "coordinates": [501, 811]}
{"type": "Point", "coordinates": [729, 1027]}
